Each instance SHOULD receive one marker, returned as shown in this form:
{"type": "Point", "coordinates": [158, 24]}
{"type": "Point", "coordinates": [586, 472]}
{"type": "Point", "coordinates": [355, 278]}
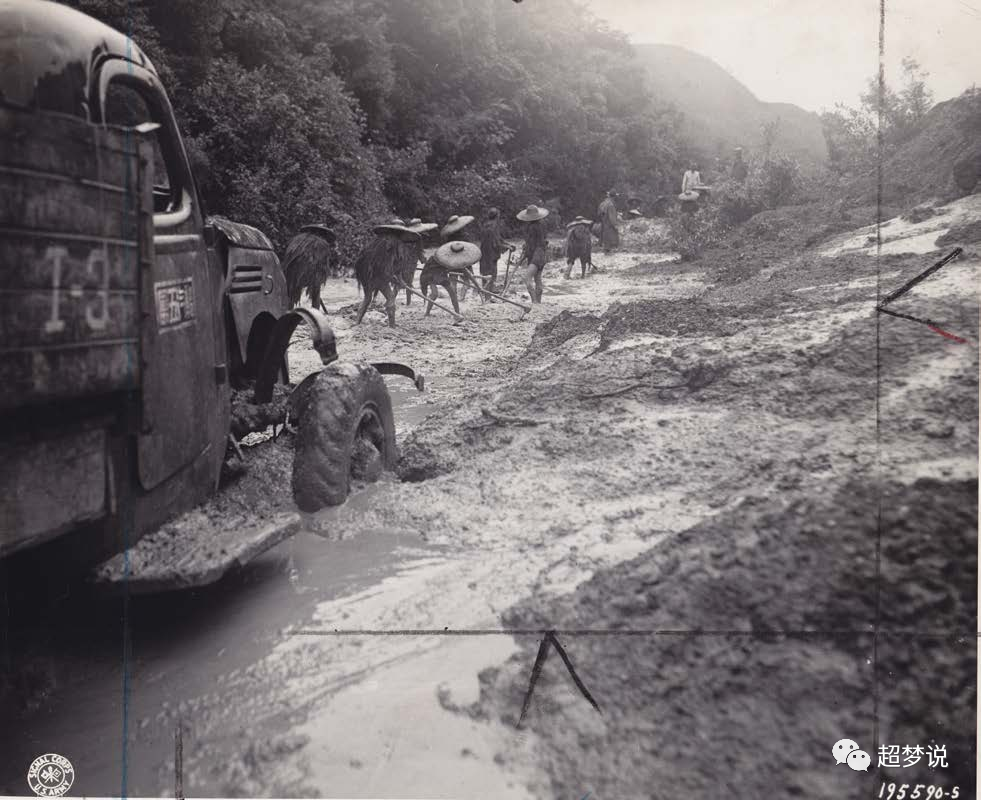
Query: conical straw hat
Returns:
{"type": "Point", "coordinates": [458, 255]}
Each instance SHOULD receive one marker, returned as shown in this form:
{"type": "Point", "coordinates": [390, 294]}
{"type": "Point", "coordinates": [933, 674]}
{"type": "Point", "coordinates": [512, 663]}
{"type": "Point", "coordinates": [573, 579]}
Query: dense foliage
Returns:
{"type": "Point", "coordinates": [773, 179]}
{"type": "Point", "coordinates": [350, 111]}
{"type": "Point", "coordinates": [853, 134]}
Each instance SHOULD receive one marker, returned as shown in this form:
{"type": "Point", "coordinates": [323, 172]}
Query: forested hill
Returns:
{"type": "Point", "coordinates": [721, 111]}
{"type": "Point", "coordinates": [347, 111]}
{"type": "Point", "coordinates": [920, 168]}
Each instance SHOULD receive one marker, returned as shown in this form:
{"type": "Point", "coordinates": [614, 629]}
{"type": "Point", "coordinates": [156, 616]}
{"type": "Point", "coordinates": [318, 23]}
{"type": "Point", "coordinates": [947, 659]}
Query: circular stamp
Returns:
{"type": "Point", "coordinates": [50, 775]}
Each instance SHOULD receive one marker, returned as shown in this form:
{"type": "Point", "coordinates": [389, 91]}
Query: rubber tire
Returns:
{"type": "Point", "coordinates": [331, 409]}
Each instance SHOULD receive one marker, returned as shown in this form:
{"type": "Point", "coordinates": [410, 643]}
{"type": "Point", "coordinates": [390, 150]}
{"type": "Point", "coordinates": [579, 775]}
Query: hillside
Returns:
{"type": "Point", "coordinates": [922, 168]}
{"type": "Point", "coordinates": [720, 109]}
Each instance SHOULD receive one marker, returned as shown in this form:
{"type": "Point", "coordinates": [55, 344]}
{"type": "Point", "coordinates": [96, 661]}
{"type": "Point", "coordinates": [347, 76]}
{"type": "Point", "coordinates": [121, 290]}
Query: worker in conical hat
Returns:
{"type": "Point", "coordinates": [382, 262]}
{"type": "Point", "coordinates": [535, 253]}
{"type": "Point", "coordinates": [444, 266]}
{"type": "Point", "coordinates": [307, 262]}
{"type": "Point", "coordinates": [457, 229]}
{"type": "Point", "coordinates": [492, 245]}
{"type": "Point", "coordinates": [409, 273]}
{"type": "Point", "coordinates": [578, 245]}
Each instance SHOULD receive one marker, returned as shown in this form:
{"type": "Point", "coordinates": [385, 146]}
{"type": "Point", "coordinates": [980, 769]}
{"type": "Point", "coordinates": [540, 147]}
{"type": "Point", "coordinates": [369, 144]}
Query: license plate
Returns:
{"type": "Point", "coordinates": [175, 303]}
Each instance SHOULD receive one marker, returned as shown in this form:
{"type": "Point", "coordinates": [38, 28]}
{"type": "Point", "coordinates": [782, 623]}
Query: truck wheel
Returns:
{"type": "Point", "coordinates": [346, 432]}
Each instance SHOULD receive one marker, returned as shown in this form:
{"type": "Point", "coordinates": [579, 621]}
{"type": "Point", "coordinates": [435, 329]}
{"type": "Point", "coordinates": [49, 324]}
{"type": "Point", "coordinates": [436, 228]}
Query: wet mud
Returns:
{"type": "Point", "coordinates": [735, 446]}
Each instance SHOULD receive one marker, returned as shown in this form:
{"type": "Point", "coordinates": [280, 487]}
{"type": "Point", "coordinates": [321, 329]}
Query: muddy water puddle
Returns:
{"type": "Point", "coordinates": [440, 752]}
{"type": "Point", "coordinates": [401, 674]}
{"type": "Point", "coordinates": [403, 655]}
{"type": "Point", "coordinates": [409, 406]}
{"type": "Point", "coordinates": [188, 649]}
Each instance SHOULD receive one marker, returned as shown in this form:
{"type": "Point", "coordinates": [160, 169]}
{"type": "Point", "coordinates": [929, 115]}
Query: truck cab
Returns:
{"type": "Point", "coordinates": [126, 315]}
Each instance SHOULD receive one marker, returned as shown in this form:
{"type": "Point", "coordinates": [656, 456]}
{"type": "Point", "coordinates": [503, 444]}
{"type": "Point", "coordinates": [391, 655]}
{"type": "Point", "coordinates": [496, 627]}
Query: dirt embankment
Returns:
{"type": "Point", "coordinates": [924, 166]}
{"type": "Point", "coordinates": [756, 709]}
{"type": "Point", "coordinates": [826, 462]}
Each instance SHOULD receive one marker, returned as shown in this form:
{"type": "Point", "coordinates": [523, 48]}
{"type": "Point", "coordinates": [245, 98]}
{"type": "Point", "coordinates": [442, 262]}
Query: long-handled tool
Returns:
{"type": "Point", "coordinates": [425, 299]}
{"type": "Point", "coordinates": [503, 299]}
{"type": "Point", "coordinates": [507, 271]}
{"type": "Point", "coordinates": [465, 278]}
{"type": "Point", "coordinates": [477, 283]}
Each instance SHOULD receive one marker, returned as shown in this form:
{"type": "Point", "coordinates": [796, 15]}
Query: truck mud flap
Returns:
{"type": "Point", "coordinates": [322, 340]}
{"type": "Point", "coordinates": [192, 551]}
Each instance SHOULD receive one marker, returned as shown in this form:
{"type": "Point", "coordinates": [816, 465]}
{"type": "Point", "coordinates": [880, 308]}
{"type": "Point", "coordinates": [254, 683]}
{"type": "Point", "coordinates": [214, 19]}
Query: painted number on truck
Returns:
{"type": "Point", "coordinates": [97, 311]}
{"type": "Point", "coordinates": [175, 303]}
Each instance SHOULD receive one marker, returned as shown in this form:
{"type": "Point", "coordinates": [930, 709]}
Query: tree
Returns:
{"type": "Point", "coordinates": [916, 99]}
{"type": "Point", "coordinates": [853, 134]}
{"type": "Point", "coordinates": [348, 112]}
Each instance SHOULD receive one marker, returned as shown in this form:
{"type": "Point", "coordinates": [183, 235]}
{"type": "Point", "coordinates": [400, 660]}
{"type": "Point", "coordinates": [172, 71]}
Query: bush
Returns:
{"type": "Point", "coordinates": [777, 181]}
{"type": "Point", "coordinates": [690, 235]}
{"type": "Point", "coordinates": [735, 202]}
{"type": "Point", "coordinates": [772, 182]}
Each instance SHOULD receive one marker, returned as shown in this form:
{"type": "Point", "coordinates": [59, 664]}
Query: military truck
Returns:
{"type": "Point", "coordinates": [129, 321]}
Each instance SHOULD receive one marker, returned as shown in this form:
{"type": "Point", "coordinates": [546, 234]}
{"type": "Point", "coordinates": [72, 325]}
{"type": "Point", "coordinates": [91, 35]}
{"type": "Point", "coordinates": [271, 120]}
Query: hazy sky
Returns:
{"type": "Point", "coordinates": [813, 52]}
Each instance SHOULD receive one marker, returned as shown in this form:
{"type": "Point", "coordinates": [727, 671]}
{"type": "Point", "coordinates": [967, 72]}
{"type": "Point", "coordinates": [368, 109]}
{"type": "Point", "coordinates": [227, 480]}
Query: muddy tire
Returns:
{"type": "Point", "coordinates": [346, 432]}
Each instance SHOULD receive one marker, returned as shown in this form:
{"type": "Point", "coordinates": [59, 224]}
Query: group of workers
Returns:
{"type": "Point", "coordinates": [388, 263]}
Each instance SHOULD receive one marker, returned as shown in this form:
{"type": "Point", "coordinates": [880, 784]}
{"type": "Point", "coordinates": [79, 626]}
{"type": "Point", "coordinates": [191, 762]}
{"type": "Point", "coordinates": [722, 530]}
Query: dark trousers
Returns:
{"type": "Point", "coordinates": [489, 270]}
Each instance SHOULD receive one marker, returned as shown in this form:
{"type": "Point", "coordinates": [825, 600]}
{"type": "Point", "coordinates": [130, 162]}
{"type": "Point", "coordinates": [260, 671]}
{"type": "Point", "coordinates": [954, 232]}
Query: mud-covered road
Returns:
{"type": "Point", "coordinates": [718, 480]}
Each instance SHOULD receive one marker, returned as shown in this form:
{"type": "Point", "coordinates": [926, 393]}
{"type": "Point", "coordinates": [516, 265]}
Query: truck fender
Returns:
{"type": "Point", "coordinates": [323, 342]}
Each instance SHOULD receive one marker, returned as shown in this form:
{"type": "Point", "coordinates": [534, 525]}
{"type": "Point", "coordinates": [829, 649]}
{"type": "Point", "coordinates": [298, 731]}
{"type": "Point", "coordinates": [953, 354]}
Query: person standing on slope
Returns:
{"type": "Point", "coordinates": [739, 169]}
{"type": "Point", "coordinates": [692, 179]}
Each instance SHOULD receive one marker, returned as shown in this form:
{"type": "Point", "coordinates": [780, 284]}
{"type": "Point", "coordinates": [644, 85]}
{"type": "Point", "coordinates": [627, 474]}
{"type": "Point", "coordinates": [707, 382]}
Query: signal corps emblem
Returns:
{"type": "Point", "coordinates": [50, 775]}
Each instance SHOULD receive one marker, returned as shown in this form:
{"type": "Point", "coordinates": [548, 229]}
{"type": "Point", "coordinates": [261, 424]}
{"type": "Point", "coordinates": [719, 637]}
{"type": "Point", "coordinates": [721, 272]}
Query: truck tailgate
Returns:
{"type": "Point", "coordinates": [67, 472]}
{"type": "Point", "coordinates": [75, 229]}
